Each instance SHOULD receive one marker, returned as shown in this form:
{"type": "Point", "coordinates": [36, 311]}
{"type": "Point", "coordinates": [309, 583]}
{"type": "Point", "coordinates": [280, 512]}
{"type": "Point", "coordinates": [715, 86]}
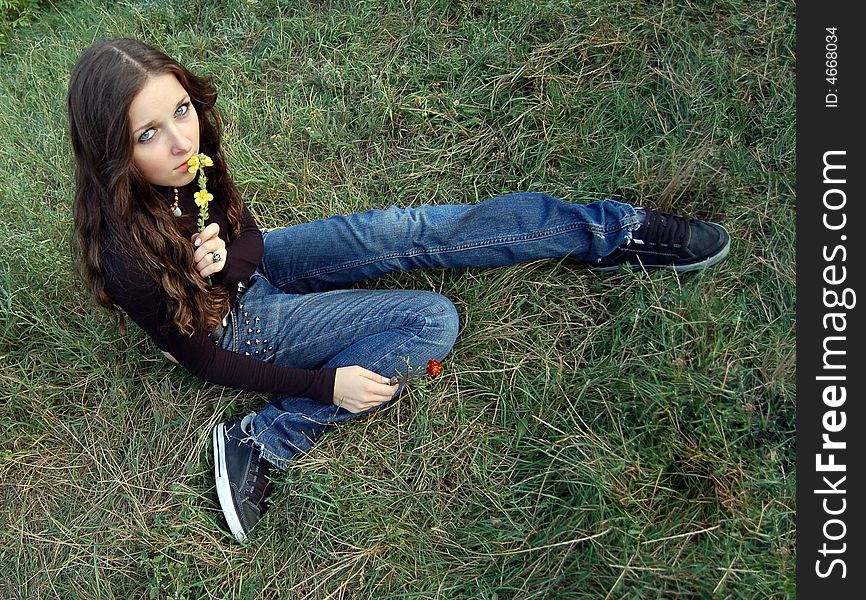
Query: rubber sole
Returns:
{"type": "Point", "coordinates": [223, 485]}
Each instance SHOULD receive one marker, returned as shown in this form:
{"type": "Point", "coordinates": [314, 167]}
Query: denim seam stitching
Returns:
{"type": "Point", "coordinates": [492, 242]}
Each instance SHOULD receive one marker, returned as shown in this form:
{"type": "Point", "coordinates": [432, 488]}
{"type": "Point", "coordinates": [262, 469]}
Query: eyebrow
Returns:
{"type": "Point", "coordinates": [151, 123]}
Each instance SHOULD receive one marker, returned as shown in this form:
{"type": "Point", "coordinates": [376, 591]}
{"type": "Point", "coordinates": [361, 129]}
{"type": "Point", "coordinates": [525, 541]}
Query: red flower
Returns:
{"type": "Point", "coordinates": [434, 368]}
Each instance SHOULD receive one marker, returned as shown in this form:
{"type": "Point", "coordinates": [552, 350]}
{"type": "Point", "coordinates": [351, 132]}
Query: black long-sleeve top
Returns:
{"type": "Point", "coordinates": [145, 302]}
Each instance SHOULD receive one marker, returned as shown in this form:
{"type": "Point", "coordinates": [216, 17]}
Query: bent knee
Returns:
{"type": "Point", "coordinates": [443, 318]}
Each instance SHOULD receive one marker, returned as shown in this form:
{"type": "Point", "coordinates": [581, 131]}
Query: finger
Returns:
{"type": "Point", "coordinates": [203, 263]}
{"type": "Point", "coordinates": [381, 393]}
{"type": "Point", "coordinates": [386, 388]}
{"type": "Point", "coordinates": [216, 268]}
{"type": "Point", "coordinates": [209, 247]}
{"type": "Point", "coordinates": [207, 266]}
{"type": "Point", "coordinates": [210, 231]}
{"type": "Point", "coordinates": [379, 401]}
{"type": "Point", "coordinates": [373, 383]}
{"type": "Point", "coordinates": [366, 373]}
{"type": "Point", "coordinates": [204, 271]}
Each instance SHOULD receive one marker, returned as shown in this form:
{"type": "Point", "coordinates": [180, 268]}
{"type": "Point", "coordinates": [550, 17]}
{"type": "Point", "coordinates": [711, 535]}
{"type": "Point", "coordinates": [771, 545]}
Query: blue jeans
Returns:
{"type": "Point", "coordinates": [298, 313]}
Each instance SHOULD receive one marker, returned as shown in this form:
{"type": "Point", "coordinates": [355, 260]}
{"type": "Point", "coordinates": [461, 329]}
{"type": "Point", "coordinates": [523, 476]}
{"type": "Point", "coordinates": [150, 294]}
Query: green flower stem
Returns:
{"type": "Point", "coordinates": [203, 214]}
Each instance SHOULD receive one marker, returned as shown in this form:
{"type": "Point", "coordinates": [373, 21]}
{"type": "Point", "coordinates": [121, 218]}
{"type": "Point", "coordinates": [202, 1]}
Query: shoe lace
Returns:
{"type": "Point", "coordinates": [258, 483]}
{"type": "Point", "coordinates": [663, 229]}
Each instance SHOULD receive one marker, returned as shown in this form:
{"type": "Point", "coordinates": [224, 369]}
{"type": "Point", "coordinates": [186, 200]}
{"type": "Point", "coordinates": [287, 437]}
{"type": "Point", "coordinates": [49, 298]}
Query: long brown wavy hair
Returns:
{"type": "Point", "coordinates": [113, 202]}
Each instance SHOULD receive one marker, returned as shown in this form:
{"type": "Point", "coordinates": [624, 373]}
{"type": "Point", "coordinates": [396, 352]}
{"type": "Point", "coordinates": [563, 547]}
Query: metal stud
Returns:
{"type": "Point", "coordinates": [246, 314]}
{"type": "Point", "coordinates": [249, 330]}
{"type": "Point", "coordinates": [256, 352]}
{"type": "Point", "coordinates": [247, 322]}
{"type": "Point", "coordinates": [257, 319]}
{"type": "Point", "coordinates": [246, 353]}
{"type": "Point", "coordinates": [258, 330]}
{"type": "Point", "coordinates": [258, 341]}
{"type": "Point", "coordinates": [248, 342]}
{"type": "Point", "coordinates": [270, 347]}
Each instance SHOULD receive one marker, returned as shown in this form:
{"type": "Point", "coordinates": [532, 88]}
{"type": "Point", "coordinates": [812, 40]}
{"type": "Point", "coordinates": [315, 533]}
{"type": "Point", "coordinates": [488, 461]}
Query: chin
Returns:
{"type": "Point", "coordinates": [185, 179]}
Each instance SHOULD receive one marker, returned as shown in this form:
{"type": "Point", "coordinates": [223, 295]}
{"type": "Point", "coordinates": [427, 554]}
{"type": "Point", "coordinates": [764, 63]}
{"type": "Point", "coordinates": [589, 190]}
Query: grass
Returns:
{"type": "Point", "coordinates": [624, 436]}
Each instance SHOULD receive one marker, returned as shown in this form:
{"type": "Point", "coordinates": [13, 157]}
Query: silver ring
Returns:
{"type": "Point", "coordinates": [215, 257]}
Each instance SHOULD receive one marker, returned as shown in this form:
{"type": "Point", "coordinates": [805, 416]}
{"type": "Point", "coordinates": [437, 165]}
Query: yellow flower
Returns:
{"type": "Point", "coordinates": [197, 161]}
{"type": "Point", "coordinates": [202, 198]}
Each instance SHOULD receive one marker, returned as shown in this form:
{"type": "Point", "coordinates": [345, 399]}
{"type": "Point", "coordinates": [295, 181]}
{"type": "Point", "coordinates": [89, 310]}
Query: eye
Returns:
{"type": "Point", "coordinates": [182, 110]}
{"type": "Point", "coordinates": [147, 136]}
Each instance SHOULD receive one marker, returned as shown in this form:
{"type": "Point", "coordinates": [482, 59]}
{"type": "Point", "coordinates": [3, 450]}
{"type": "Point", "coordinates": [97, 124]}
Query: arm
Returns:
{"type": "Point", "coordinates": [242, 254]}
{"type": "Point", "coordinates": [146, 304]}
{"type": "Point", "coordinates": [201, 357]}
{"type": "Point", "coordinates": [356, 389]}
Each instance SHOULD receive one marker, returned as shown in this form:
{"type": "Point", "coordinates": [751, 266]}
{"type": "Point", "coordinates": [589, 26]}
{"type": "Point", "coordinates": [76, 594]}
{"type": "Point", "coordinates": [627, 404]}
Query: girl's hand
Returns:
{"type": "Point", "coordinates": [356, 389]}
{"type": "Point", "coordinates": [209, 244]}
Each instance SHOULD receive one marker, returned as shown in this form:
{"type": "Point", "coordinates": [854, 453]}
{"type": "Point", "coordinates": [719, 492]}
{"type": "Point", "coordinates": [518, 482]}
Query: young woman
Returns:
{"type": "Point", "coordinates": [269, 311]}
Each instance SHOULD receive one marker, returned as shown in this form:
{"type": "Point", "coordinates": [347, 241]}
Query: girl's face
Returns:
{"type": "Point", "coordinates": [164, 131]}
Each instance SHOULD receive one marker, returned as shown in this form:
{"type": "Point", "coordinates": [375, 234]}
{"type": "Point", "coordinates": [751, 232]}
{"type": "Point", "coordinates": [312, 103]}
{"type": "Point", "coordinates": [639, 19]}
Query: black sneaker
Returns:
{"type": "Point", "coordinates": [241, 478]}
{"type": "Point", "coordinates": [667, 241]}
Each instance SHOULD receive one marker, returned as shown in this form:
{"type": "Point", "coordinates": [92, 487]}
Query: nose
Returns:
{"type": "Point", "coordinates": [181, 144]}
